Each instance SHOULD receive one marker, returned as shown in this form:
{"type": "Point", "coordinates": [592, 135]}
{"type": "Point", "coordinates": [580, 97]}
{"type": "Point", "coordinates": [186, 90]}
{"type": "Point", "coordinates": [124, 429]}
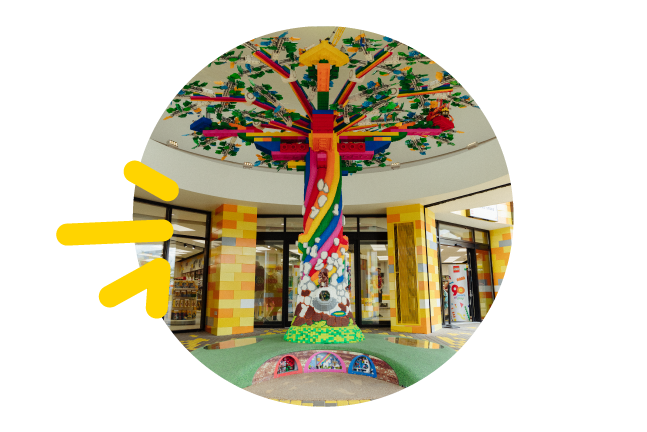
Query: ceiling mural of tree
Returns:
{"type": "Point", "coordinates": [327, 102]}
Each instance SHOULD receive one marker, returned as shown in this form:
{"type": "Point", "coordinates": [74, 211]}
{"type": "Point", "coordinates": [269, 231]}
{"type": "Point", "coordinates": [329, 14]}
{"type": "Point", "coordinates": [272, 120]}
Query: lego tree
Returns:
{"type": "Point", "coordinates": [330, 139]}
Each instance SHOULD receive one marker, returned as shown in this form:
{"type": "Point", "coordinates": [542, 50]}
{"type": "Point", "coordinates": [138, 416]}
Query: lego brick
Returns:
{"type": "Point", "coordinates": [244, 242]}
{"type": "Point", "coordinates": [233, 216]}
{"type": "Point", "coordinates": [227, 276]}
{"type": "Point", "coordinates": [357, 155]}
{"type": "Point", "coordinates": [245, 259]}
{"type": "Point", "coordinates": [248, 251]}
{"type": "Point", "coordinates": [228, 322]}
{"type": "Point", "coordinates": [226, 207]}
{"type": "Point", "coordinates": [417, 208]}
{"type": "Point", "coordinates": [244, 294]}
{"type": "Point", "coordinates": [250, 217]}
{"type": "Point", "coordinates": [223, 294]}
{"type": "Point", "coordinates": [247, 303]}
{"type": "Point", "coordinates": [233, 250]}
{"type": "Point", "coordinates": [247, 321]}
{"type": "Point", "coordinates": [228, 241]}
{"type": "Point", "coordinates": [322, 159]}
{"type": "Point", "coordinates": [232, 268]}
{"type": "Point", "coordinates": [228, 232]}
{"type": "Point", "coordinates": [229, 285]}
{"type": "Point", "coordinates": [247, 209]}
{"type": "Point", "coordinates": [244, 277]}
{"type": "Point", "coordinates": [288, 156]}
{"type": "Point", "coordinates": [247, 268]}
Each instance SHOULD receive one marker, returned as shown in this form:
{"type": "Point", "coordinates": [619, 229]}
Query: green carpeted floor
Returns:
{"type": "Point", "coordinates": [238, 365]}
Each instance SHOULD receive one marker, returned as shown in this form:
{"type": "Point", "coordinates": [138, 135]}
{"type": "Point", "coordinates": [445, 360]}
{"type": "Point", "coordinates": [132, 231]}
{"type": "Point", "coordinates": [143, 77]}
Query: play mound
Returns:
{"type": "Point", "coordinates": [322, 333]}
{"type": "Point", "coordinates": [239, 365]}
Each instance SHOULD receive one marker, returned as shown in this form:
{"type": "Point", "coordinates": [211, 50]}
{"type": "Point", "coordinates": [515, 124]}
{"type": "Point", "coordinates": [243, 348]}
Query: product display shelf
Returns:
{"type": "Point", "coordinates": [185, 302]}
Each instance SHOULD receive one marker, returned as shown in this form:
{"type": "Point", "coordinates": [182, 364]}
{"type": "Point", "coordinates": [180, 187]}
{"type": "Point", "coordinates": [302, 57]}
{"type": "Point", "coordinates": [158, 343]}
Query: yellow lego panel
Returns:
{"type": "Point", "coordinates": [227, 276]}
{"type": "Point", "coordinates": [244, 313]}
{"type": "Point", "coordinates": [233, 216]}
{"type": "Point", "coordinates": [246, 225]}
{"type": "Point", "coordinates": [249, 234]}
{"type": "Point", "coordinates": [247, 321]}
{"type": "Point", "coordinates": [221, 331]}
{"type": "Point", "coordinates": [244, 294]}
{"type": "Point", "coordinates": [230, 232]}
{"type": "Point", "coordinates": [231, 268]}
{"type": "Point", "coordinates": [245, 259]}
{"type": "Point", "coordinates": [242, 277]}
{"type": "Point", "coordinates": [230, 285]}
{"type": "Point", "coordinates": [228, 322]}
{"type": "Point", "coordinates": [246, 209]}
{"type": "Point", "coordinates": [233, 250]}
{"type": "Point", "coordinates": [404, 209]}
{"type": "Point", "coordinates": [249, 251]}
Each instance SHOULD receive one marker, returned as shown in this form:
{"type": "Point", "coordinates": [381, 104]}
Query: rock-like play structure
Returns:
{"type": "Point", "coordinates": [325, 361]}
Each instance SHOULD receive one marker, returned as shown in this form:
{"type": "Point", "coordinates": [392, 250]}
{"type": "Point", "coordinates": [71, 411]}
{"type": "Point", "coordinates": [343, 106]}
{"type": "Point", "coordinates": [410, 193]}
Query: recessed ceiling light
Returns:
{"type": "Point", "coordinates": [173, 143]}
{"type": "Point", "coordinates": [395, 165]}
{"type": "Point", "coordinates": [462, 250]}
{"type": "Point", "coordinates": [378, 247]}
{"type": "Point", "coordinates": [248, 165]}
{"type": "Point", "coordinates": [451, 259]}
{"type": "Point", "coordinates": [383, 257]}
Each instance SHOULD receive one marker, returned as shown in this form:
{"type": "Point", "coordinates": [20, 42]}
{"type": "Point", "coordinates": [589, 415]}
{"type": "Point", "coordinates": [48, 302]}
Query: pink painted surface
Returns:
{"type": "Point", "coordinates": [357, 155]}
{"type": "Point", "coordinates": [226, 133]}
{"type": "Point", "coordinates": [288, 156]}
{"type": "Point", "coordinates": [417, 131]}
{"type": "Point", "coordinates": [321, 159]}
{"type": "Point", "coordinates": [341, 362]}
{"type": "Point", "coordinates": [311, 180]}
{"type": "Point", "coordinates": [297, 371]}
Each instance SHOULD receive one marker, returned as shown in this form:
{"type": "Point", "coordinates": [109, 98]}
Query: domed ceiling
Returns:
{"type": "Point", "coordinates": [377, 84]}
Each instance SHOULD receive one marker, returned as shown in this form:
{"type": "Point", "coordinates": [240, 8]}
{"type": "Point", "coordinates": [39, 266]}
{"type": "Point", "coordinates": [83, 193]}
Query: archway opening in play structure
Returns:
{"type": "Point", "coordinates": [325, 361]}
{"type": "Point", "coordinates": [362, 365]}
{"type": "Point", "coordinates": [287, 365]}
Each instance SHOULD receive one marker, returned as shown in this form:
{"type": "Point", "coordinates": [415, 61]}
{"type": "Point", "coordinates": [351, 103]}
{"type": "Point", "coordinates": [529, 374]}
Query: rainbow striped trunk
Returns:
{"type": "Point", "coordinates": [323, 308]}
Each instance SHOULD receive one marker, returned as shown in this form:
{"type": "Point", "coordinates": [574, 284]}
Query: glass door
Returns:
{"type": "Point", "coordinates": [455, 277]}
{"type": "Point", "coordinates": [268, 282]}
{"type": "Point", "coordinates": [373, 281]}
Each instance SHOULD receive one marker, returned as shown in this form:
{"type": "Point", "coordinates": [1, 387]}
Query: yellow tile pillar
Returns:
{"type": "Point", "coordinates": [230, 291]}
{"type": "Point", "coordinates": [433, 271]}
{"type": "Point", "coordinates": [501, 244]}
{"type": "Point", "coordinates": [420, 308]}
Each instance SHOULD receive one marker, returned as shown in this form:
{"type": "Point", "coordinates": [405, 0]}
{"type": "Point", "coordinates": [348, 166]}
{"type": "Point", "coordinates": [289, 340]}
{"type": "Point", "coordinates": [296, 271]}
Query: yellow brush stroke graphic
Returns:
{"type": "Point", "coordinates": [151, 181]}
{"type": "Point", "coordinates": [153, 277]}
{"type": "Point", "coordinates": [114, 232]}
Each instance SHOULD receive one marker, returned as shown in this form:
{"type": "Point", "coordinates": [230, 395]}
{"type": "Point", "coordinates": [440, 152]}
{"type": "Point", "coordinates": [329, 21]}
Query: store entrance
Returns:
{"type": "Point", "coordinates": [460, 302]}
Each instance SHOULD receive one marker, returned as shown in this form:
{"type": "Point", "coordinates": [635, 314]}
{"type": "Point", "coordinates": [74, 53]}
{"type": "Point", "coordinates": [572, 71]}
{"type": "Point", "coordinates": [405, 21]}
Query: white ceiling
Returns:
{"type": "Point", "coordinates": [469, 120]}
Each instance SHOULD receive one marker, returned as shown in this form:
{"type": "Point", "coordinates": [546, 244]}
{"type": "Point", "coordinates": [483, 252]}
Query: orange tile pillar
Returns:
{"type": "Point", "coordinates": [433, 271]}
{"type": "Point", "coordinates": [501, 244]}
{"type": "Point", "coordinates": [412, 214]}
{"type": "Point", "coordinates": [230, 291]}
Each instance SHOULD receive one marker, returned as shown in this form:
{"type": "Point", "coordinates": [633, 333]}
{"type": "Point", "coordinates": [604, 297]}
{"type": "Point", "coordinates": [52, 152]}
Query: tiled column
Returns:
{"type": "Point", "coordinates": [433, 271]}
{"type": "Point", "coordinates": [230, 291]}
{"type": "Point", "coordinates": [402, 214]}
{"type": "Point", "coordinates": [501, 243]}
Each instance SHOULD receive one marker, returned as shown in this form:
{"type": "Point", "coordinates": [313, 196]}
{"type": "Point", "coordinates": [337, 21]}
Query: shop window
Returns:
{"type": "Point", "coordinates": [268, 282]}
{"type": "Point", "coordinates": [189, 223]}
{"type": "Point", "coordinates": [351, 224]}
{"type": "Point", "coordinates": [269, 224]}
{"type": "Point", "coordinates": [325, 361]}
{"type": "Point", "coordinates": [481, 237]}
{"type": "Point", "coordinates": [406, 272]}
{"type": "Point", "coordinates": [486, 290]}
{"type": "Point", "coordinates": [372, 224]}
{"type": "Point", "coordinates": [186, 256]}
{"type": "Point", "coordinates": [374, 281]}
{"type": "Point", "coordinates": [287, 365]}
{"type": "Point", "coordinates": [294, 224]}
{"type": "Point", "coordinates": [455, 233]}
{"type": "Point", "coordinates": [147, 252]}
{"type": "Point", "coordinates": [362, 365]}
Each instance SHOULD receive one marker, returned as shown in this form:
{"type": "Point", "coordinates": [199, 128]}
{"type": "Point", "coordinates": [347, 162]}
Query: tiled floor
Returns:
{"type": "Point", "coordinates": [453, 338]}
